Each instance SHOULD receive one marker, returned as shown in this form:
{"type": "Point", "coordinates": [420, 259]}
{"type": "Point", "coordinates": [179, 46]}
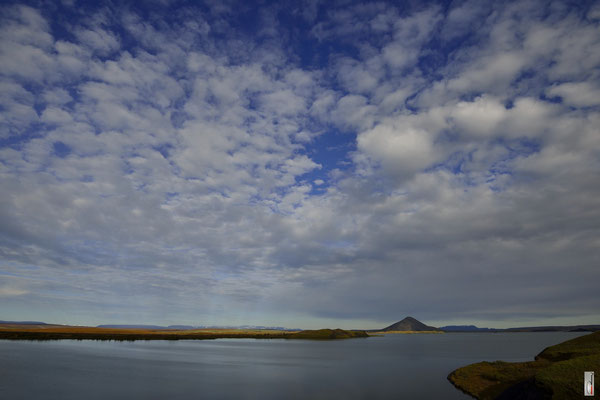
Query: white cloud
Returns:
{"type": "Point", "coordinates": [353, 112]}
{"type": "Point", "coordinates": [496, 70]}
{"type": "Point", "coordinates": [57, 96]}
{"type": "Point", "coordinates": [26, 26]}
{"type": "Point", "coordinates": [323, 104]}
{"type": "Point", "coordinates": [578, 94]}
{"type": "Point", "coordinates": [479, 117]}
{"type": "Point", "coordinates": [9, 292]}
{"type": "Point", "coordinates": [283, 102]}
{"type": "Point", "coordinates": [594, 12]}
{"type": "Point", "coordinates": [19, 111]}
{"type": "Point", "coordinates": [402, 149]}
{"type": "Point", "coordinates": [398, 56]}
{"type": "Point", "coordinates": [356, 77]}
{"type": "Point", "coordinates": [461, 19]}
{"type": "Point", "coordinates": [98, 40]}
{"type": "Point", "coordinates": [53, 115]}
{"type": "Point", "coordinates": [410, 34]}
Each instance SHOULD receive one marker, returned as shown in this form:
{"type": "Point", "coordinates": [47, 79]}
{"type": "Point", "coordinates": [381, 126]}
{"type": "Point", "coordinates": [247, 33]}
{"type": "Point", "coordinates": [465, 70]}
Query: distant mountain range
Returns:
{"type": "Point", "coordinates": [412, 324]}
{"type": "Point", "coordinates": [570, 328]}
{"type": "Point", "coordinates": [465, 328]}
{"type": "Point", "coordinates": [134, 327]}
{"type": "Point", "coordinates": [409, 324]}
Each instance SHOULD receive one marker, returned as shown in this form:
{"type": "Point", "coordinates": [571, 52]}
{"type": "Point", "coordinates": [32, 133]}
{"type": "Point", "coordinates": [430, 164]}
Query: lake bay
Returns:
{"type": "Point", "coordinates": [394, 366]}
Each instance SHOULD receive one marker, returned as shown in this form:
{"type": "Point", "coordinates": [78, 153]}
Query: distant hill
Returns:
{"type": "Point", "coordinates": [409, 324]}
{"type": "Point", "coordinates": [568, 328]}
{"type": "Point", "coordinates": [23, 322]}
{"type": "Point", "coordinates": [465, 328]}
{"type": "Point", "coordinates": [155, 327]}
{"type": "Point", "coordinates": [132, 326]}
{"type": "Point", "coordinates": [182, 327]}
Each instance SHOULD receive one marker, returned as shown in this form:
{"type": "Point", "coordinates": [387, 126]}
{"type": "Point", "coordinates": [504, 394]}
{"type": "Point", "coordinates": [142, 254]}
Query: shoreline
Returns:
{"type": "Point", "coordinates": [91, 333]}
{"type": "Point", "coordinates": [402, 332]}
{"type": "Point", "coordinates": [557, 371]}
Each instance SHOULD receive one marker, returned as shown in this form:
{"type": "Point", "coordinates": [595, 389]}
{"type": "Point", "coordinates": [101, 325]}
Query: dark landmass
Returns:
{"type": "Point", "coordinates": [325, 334]}
{"type": "Point", "coordinates": [22, 323]}
{"type": "Point", "coordinates": [183, 327]}
{"type": "Point", "coordinates": [135, 327]}
{"type": "Point", "coordinates": [557, 373]}
{"type": "Point", "coordinates": [570, 328]}
{"type": "Point", "coordinates": [55, 332]}
{"type": "Point", "coordinates": [278, 328]}
{"type": "Point", "coordinates": [409, 324]}
{"type": "Point", "coordinates": [466, 328]}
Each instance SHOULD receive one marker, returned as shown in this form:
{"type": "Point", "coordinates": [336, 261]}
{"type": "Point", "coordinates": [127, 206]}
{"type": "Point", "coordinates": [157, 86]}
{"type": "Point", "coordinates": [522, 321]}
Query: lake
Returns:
{"type": "Point", "coordinates": [393, 366]}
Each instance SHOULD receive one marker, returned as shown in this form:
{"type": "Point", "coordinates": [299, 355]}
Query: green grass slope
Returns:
{"type": "Point", "coordinates": [556, 373]}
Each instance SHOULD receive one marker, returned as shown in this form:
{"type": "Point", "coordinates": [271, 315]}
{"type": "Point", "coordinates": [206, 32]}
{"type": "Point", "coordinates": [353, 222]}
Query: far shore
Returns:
{"type": "Point", "coordinates": [401, 332]}
{"type": "Point", "coordinates": [60, 332]}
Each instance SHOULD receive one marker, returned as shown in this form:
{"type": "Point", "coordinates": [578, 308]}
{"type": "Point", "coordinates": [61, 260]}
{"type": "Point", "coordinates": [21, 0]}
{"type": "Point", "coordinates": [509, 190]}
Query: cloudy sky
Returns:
{"type": "Point", "coordinates": [306, 164]}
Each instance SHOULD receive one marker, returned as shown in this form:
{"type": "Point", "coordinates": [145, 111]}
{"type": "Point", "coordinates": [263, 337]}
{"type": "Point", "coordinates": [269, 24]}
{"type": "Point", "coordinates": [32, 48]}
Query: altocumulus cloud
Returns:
{"type": "Point", "coordinates": [232, 163]}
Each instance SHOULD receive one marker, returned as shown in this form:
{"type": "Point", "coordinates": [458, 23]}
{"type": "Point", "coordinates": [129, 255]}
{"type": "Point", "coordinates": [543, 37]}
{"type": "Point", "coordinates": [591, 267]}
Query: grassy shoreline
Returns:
{"type": "Point", "coordinates": [557, 372]}
{"type": "Point", "coordinates": [91, 333]}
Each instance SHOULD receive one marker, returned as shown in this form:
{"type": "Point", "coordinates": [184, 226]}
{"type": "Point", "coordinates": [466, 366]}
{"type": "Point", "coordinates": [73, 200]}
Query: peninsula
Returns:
{"type": "Point", "coordinates": [557, 372]}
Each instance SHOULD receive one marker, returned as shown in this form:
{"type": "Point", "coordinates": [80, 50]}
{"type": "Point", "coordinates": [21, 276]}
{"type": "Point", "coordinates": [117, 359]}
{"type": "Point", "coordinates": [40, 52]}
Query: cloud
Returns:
{"type": "Point", "coordinates": [9, 292]}
{"type": "Point", "coordinates": [353, 112]}
{"type": "Point", "coordinates": [577, 94]}
{"type": "Point", "coordinates": [99, 40]}
{"type": "Point", "coordinates": [400, 148]}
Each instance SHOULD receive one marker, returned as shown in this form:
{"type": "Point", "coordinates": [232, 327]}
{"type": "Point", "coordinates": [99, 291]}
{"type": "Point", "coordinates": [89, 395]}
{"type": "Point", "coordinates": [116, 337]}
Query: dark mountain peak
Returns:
{"type": "Point", "coordinates": [410, 324]}
{"type": "Point", "coordinates": [410, 319]}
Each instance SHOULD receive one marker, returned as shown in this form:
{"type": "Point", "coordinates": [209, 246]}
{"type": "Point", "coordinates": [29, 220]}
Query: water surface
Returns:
{"type": "Point", "coordinates": [394, 366]}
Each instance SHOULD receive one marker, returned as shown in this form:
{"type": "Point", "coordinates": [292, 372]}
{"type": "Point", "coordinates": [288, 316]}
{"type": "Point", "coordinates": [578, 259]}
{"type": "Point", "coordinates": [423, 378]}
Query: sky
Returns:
{"type": "Point", "coordinates": [300, 163]}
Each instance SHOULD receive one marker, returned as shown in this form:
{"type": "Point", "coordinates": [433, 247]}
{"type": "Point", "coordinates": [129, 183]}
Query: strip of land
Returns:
{"type": "Point", "coordinates": [58, 332]}
{"type": "Point", "coordinates": [556, 373]}
{"type": "Point", "coordinates": [400, 332]}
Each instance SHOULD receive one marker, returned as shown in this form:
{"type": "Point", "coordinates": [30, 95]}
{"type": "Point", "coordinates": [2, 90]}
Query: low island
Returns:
{"type": "Point", "coordinates": [556, 373]}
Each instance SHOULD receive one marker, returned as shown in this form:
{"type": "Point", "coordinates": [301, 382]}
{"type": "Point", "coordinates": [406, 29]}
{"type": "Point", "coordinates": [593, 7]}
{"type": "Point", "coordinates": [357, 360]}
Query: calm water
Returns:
{"type": "Point", "coordinates": [394, 366]}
